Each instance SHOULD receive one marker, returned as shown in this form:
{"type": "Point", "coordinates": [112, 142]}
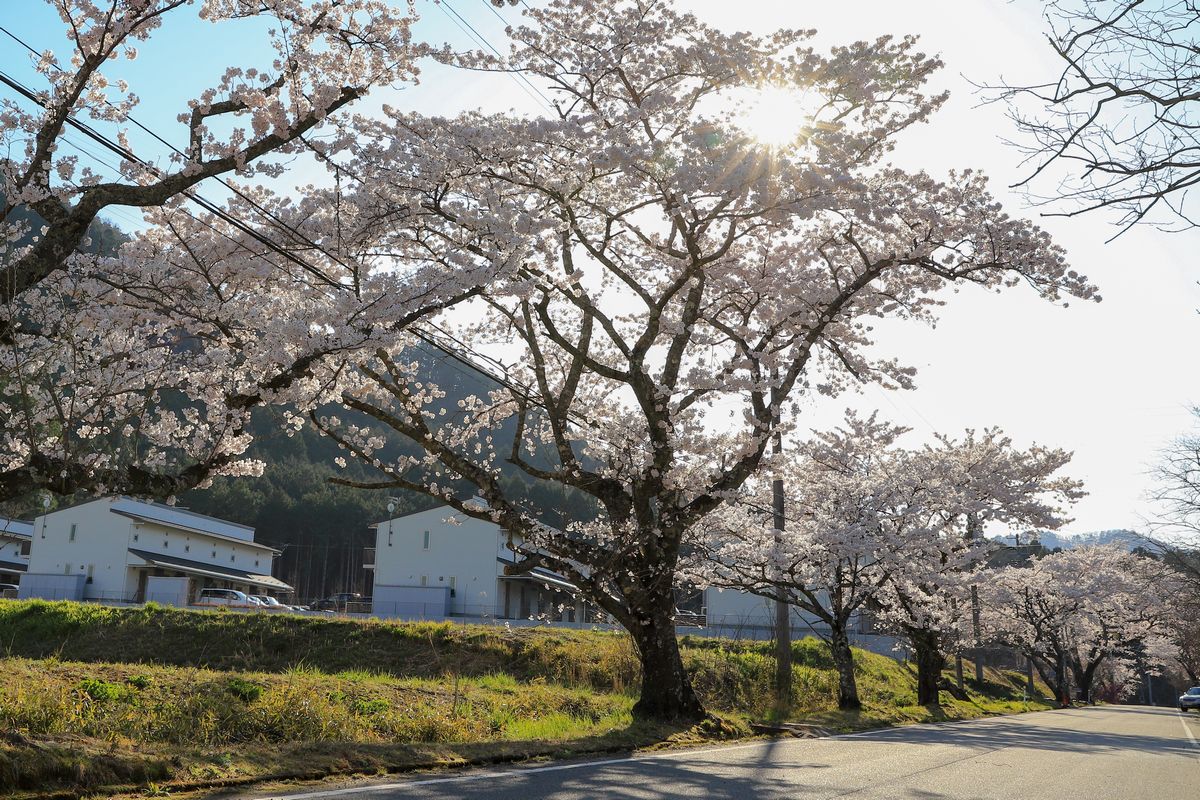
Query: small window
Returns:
{"type": "Point", "coordinates": [426, 540]}
{"type": "Point", "coordinates": [24, 548]}
{"type": "Point", "coordinates": [232, 556]}
{"type": "Point", "coordinates": [424, 580]}
{"type": "Point", "coordinates": [165, 543]}
{"type": "Point", "coordinates": [135, 537]}
{"type": "Point", "coordinates": [256, 562]}
{"type": "Point", "coordinates": [187, 548]}
{"type": "Point", "coordinates": [71, 537]}
{"type": "Point", "coordinates": [453, 581]}
{"type": "Point", "coordinates": [214, 555]}
{"type": "Point", "coordinates": [67, 570]}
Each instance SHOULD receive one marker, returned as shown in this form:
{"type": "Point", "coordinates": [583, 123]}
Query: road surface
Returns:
{"type": "Point", "coordinates": [1118, 752]}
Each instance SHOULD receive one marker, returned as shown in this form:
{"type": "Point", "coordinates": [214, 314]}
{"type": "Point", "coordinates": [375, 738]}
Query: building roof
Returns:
{"type": "Point", "coordinates": [210, 570]}
{"type": "Point", "coordinates": [539, 575]}
{"type": "Point", "coordinates": [187, 521]}
{"type": "Point", "coordinates": [443, 508]}
{"type": "Point", "coordinates": [16, 528]}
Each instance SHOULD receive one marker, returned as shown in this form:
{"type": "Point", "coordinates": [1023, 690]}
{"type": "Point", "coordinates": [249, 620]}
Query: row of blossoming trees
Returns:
{"type": "Point", "coordinates": [658, 287]}
{"type": "Point", "coordinates": [897, 533]}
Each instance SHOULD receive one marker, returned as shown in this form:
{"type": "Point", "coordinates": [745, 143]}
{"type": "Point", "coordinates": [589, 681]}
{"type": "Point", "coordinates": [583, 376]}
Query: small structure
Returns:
{"type": "Point", "coordinates": [16, 537]}
{"type": "Point", "coordinates": [118, 549]}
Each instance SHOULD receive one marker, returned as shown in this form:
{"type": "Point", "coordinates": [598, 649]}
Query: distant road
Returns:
{"type": "Point", "coordinates": [1106, 753]}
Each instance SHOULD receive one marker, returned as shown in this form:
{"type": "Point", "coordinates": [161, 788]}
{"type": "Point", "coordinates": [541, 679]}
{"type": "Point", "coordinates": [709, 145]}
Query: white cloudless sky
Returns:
{"type": "Point", "coordinates": [1111, 381]}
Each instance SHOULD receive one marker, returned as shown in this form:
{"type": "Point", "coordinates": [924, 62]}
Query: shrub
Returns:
{"type": "Point", "coordinates": [101, 691]}
{"type": "Point", "coordinates": [244, 690]}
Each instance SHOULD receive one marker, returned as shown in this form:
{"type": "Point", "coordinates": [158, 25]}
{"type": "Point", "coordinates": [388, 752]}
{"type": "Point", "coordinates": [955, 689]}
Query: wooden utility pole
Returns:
{"type": "Point", "coordinates": [783, 611]}
{"type": "Point", "coordinates": [974, 530]}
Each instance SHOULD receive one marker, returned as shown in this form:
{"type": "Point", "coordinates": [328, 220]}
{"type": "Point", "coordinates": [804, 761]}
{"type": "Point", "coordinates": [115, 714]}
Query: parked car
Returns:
{"type": "Point", "coordinates": [343, 601]}
{"type": "Point", "coordinates": [270, 603]}
{"type": "Point", "coordinates": [229, 598]}
{"type": "Point", "coordinates": [1190, 699]}
{"type": "Point", "coordinates": [8, 591]}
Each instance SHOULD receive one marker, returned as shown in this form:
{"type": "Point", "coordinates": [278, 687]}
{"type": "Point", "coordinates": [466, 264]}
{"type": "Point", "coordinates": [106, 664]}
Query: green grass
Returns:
{"type": "Point", "coordinates": [101, 697]}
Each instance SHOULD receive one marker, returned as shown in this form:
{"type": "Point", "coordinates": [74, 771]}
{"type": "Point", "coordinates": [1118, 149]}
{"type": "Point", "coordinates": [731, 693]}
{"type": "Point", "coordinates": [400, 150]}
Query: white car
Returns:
{"type": "Point", "coordinates": [270, 603]}
{"type": "Point", "coordinates": [229, 598]}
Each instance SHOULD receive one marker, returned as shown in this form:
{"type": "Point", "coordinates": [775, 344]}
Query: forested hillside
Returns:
{"type": "Point", "coordinates": [322, 527]}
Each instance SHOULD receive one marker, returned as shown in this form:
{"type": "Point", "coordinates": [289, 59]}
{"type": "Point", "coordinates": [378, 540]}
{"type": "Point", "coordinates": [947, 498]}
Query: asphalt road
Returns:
{"type": "Point", "coordinates": [1120, 752]}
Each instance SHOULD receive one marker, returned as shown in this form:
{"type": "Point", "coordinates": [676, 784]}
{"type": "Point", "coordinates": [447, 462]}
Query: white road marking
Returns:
{"type": "Point", "coordinates": [1186, 729]}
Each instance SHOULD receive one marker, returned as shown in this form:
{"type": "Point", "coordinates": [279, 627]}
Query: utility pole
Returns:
{"type": "Point", "coordinates": [978, 640]}
{"type": "Point", "coordinates": [974, 531]}
{"type": "Point", "coordinates": [783, 612]}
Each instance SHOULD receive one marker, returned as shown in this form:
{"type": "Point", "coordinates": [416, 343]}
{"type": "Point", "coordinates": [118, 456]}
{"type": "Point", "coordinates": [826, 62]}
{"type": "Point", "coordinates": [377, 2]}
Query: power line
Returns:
{"type": "Point", "coordinates": [467, 28]}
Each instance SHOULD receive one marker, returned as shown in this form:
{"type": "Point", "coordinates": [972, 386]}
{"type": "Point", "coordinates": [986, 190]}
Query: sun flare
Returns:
{"type": "Point", "coordinates": [775, 116]}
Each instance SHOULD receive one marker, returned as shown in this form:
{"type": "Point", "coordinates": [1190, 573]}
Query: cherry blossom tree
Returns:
{"type": "Point", "coordinates": [964, 485]}
{"type": "Point", "coordinates": [875, 527]}
{"type": "Point", "coordinates": [136, 371]}
{"type": "Point", "coordinates": [1072, 612]}
{"type": "Point", "coordinates": [684, 280]}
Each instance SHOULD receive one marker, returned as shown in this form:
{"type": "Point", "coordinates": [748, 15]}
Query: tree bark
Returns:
{"type": "Point", "coordinates": [667, 692]}
{"type": "Point", "coordinates": [843, 662]}
{"type": "Point", "coordinates": [930, 663]}
{"type": "Point", "coordinates": [1085, 676]}
{"type": "Point", "coordinates": [1053, 677]}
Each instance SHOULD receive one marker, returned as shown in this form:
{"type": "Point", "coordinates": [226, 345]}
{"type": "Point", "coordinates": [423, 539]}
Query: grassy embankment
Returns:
{"type": "Point", "coordinates": [157, 698]}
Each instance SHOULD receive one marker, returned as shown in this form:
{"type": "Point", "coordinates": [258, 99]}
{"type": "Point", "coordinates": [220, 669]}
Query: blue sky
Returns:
{"type": "Point", "coordinates": [1113, 381]}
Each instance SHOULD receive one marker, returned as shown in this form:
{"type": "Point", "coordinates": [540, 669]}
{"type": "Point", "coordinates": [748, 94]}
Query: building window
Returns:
{"type": "Point", "coordinates": [453, 581]}
{"type": "Point", "coordinates": [164, 542]}
{"type": "Point", "coordinates": [424, 580]}
{"type": "Point", "coordinates": [135, 537]}
{"type": "Point", "coordinates": [232, 556]}
{"type": "Point", "coordinates": [67, 570]}
{"type": "Point", "coordinates": [426, 540]}
{"type": "Point", "coordinates": [24, 548]}
{"type": "Point", "coordinates": [214, 555]}
{"type": "Point", "coordinates": [71, 537]}
{"type": "Point", "coordinates": [187, 548]}
{"type": "Point", "coordinates": [256, 562]}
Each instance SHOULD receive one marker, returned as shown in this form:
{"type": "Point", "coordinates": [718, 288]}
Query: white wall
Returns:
{"type": "Point", "coordinates": [10, 550]}
{"type": "Point", "coordinates": [466, 552]}
{"type": "Point", "coordinates": [98, 550]}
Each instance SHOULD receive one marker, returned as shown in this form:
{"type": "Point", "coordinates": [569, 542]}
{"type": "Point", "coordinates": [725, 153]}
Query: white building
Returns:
{"type": "Point", "coordinates": [15, 539]}
{"type": "Point", "coordinates": [118, 549]}
{"type": "Point", "coordinates": [426, 566]}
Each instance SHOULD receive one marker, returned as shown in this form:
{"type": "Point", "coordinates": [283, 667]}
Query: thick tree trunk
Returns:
{"type": "Point", "coordinates": [843, 662]}
{"type": "Point", "coordinates": [1054, 677]}
{"type": "Point", "coordinates": [1084, 678]}
{"type": "Point", "coordinates": [930, 663]}
{"type": "Point", "coordinates": [667, 692]}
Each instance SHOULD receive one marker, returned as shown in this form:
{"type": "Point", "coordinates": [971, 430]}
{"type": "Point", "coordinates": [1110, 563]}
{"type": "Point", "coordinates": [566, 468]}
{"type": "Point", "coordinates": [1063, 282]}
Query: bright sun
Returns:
{"type": "Point", "coordinates": [776, 116]}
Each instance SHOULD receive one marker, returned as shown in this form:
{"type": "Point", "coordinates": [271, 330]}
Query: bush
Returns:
{"type": "Point", "coordinates": [243, 689]}
{"type": "Point", "coordinates": [102, 691]}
